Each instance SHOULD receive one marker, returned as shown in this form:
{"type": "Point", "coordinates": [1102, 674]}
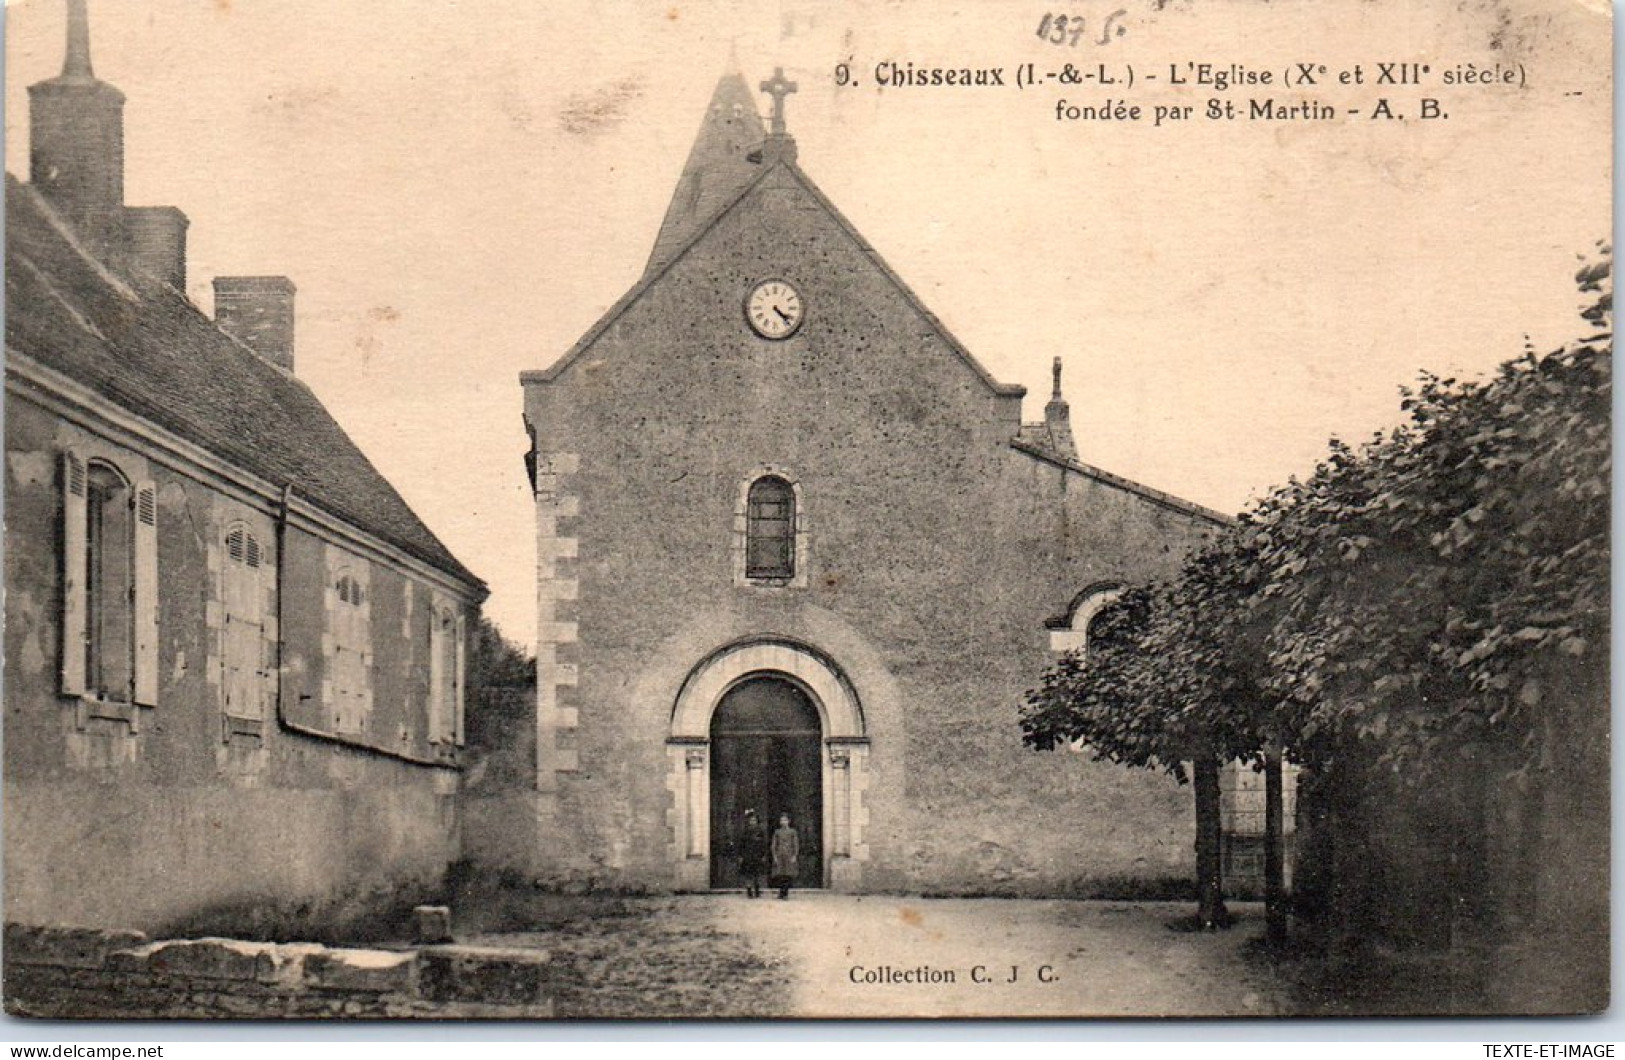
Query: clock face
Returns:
{"type": "Point", "coordinates": [774, 309]}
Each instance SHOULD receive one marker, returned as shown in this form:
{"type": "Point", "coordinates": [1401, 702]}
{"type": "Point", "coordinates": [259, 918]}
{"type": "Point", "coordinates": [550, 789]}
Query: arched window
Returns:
{"type": "Point", "coordinates": [1072, 633]}
{"type": "Point", "coordinates": [109, 584]}
{"type": "Point", "coordinates": [350, 591]}
{"type": "Point", "coordinates": [1086, 606]}
{"type": "Point", "coordinates": [770, 529]}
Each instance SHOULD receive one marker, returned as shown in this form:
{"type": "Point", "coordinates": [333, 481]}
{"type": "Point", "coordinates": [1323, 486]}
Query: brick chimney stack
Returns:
{"type": "Point", "coordinates": [157, 242]}
{"type": "Point", "coordinates": [76, 141]}
{"type": "Point", "coordinates": [258, 312]}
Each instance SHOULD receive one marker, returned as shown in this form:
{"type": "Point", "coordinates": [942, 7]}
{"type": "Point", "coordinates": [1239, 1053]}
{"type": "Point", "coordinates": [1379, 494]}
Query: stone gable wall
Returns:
{"type": "Point", "coordinates": [935, 554]}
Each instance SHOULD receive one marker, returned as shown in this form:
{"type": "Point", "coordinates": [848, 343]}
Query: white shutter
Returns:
{"type": "Point", "coordinates": [363, 644]}
{"type": "Point", "coordinates": [457, 684]}
{"type": "Point", "coordinates": [437, 676]}
{"type": "Point", "coordinates": [242, 657]}
{"type": "Point", "coordinates": [75, 575]}
{"type": "Point", "coordinates": [145, 611]}
{"type": "Point", "coordinates": [263, 580]}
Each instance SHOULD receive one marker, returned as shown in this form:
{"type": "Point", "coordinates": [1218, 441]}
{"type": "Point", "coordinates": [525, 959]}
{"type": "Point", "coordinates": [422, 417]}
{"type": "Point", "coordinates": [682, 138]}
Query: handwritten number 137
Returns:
{"type": "Point", "coordinates": [1068, 29]}
{"type": "Point", "coordinates": [1061, 29]}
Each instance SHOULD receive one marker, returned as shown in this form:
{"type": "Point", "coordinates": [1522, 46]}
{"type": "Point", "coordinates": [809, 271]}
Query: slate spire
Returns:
{"type": "Point", "coordinates": [719, 166]}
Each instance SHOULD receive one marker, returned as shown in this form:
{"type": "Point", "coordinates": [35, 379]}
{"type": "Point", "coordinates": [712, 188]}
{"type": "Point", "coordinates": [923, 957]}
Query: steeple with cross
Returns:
{"type": "Point", "coordinates": [778, 86]}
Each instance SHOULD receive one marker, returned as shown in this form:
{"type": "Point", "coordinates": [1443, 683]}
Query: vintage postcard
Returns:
{"type": "Point", "coordinates": [844, 509]}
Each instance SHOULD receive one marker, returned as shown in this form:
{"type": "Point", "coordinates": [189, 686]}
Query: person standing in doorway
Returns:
{"type": "Point", "coordinates": [786, 849]}
{"type": "Point", "coordinates": [753, 844]}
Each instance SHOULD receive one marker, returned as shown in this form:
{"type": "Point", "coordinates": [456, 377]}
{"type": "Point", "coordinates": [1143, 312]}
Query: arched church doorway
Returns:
{"type": "Point", "coordinates": [766, 755]}
{"type": "Point", "coordinates": [753, 714]}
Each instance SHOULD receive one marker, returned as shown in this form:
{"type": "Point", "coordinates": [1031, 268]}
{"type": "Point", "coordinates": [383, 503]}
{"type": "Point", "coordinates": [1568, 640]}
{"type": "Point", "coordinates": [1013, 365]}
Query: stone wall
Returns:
{"type": "Point", "coordinates": [77, 973]}
{"type": "Point", "coordinates": [184, 813]}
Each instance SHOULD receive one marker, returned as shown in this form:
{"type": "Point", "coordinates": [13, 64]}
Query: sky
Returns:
{"type": "Point", "coordinates": [460, 188]}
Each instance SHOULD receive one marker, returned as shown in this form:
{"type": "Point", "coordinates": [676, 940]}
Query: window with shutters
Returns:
{"type": "Point", "coordinates": [770, 529]}
{"type": "Point", "coordinates": [349, 665]}
{"type": "Point", "coordinates": [109, 584]}
{"type": "Point", "coordinates": [243, 653]}
{"type": "Point", "coordinates": [445, 676]}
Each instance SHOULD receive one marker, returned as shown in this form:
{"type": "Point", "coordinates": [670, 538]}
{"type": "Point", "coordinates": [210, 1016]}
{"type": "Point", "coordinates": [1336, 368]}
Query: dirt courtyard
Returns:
{"type": "Point", "coordinates": [826, 955]}
{"type": "Point", "coordinates": [879, 957]}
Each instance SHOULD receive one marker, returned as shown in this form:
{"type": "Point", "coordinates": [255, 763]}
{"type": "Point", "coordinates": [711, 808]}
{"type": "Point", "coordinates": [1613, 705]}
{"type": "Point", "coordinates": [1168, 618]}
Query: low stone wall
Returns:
{"type": "Point", "coordinates": [81, 973]}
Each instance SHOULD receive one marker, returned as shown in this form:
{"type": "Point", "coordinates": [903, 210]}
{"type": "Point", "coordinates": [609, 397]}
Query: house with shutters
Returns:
{"type": "Point", "coordinates": [799, 552]}
{"type": "Point", "coordinates": [233, 654]}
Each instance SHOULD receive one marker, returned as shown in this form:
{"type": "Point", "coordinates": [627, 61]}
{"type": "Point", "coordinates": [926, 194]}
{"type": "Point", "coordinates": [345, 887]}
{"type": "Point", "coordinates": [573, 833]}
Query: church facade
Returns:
{"type": "Point", "coordinates": [797, 552]}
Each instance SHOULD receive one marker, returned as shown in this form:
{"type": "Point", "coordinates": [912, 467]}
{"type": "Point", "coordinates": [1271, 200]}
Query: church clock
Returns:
{"type": "Point", "coordinates": [774, 309]}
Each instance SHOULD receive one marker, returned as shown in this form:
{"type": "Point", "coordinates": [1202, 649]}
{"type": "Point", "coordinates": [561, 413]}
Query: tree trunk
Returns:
{"type": "Point", "coordinates": [1275, 920]}
{"type": "Point", "coordinates": [1210, 908]}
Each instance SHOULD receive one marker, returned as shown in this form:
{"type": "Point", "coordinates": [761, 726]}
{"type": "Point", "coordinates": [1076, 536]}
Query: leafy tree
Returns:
{"type": "Point", "coordinates": [496, 662]}
{"type": "Point", "coordinates": [1421, 608]}
{"type": "Point", "coordinates": [501, 682]}
{"type": "Point", "coordinates": [1434, 615]}
{"type": "Point", "coordinates": [1416, 593]}
{"type": "Point", "coordinates": [1160, 689]}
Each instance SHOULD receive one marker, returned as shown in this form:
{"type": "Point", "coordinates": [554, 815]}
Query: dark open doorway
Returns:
{"type": "Point", "coordinates": [766, 755]}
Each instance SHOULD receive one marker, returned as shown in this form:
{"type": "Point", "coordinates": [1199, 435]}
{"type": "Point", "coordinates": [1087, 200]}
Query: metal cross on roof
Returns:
{"type": "Point", "coordinates": [778, 87]}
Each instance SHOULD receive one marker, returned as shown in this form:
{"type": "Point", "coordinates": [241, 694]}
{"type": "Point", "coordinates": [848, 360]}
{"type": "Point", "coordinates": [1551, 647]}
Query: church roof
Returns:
{"type": "Point", "coordinates": [139, 343]}
{"type": "Point", "coordinates": [729, 161]}
{"type": "Point", "coordinates": [1040, 449]}
{"type": "Point", "coordinates": [730, 158]}
{"type": "Point", "coordinates": [718, 169]}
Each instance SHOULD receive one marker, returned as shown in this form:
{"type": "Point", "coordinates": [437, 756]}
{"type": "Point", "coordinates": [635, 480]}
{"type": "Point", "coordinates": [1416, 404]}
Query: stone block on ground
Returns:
{"type": "Point", "coordinates": [433, 923]}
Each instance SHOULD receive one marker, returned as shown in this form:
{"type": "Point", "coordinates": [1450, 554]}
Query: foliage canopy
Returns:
{"type": "Point", "coordinates": [1424, 594]}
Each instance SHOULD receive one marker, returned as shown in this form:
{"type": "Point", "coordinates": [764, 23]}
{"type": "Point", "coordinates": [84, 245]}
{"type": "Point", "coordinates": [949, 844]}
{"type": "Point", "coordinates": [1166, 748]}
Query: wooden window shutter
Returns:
{"type": "Point", "coordinates": [243, 653]}
{"type": "Point", "coordinates": [437, 676]}
{"type": "Point", "coordinates": [75, 574]}
{"type": "Point", "coordinates": [146, 594]}
{"type": "Point", "coordinates": [457, 682]}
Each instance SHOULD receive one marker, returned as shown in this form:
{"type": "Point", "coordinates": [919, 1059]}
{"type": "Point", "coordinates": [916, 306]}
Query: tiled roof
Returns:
{"type": "Point", "coordinates": [140, 344]}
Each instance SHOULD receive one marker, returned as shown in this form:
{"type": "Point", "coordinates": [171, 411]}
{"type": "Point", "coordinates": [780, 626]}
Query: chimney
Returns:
{"type": "Point", "coordinates": [258, 312]}
{"type": "Point", "coordinates": [76, 141]}
{"type": "Point", "coordinates": [1058, 420]}
{"type": "Point", "coordinates": [156, 238]}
